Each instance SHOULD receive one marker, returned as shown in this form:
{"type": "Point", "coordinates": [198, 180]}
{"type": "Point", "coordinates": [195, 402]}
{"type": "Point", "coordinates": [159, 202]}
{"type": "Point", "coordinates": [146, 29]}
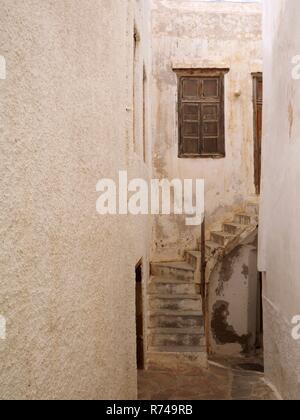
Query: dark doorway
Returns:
{"type": "Point", "coordinates": [139, 316]}
{"type": "Point", "coordinates": [258, 109]}
{"type": "Point", "coordinates": [260, 320]}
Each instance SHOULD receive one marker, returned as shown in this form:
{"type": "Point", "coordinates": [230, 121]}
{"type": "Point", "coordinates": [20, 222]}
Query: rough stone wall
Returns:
{"type": "Point", "coordinates": [280, 206]}
{"type": "Point", "coordinates": [193, 34]}
{"type": "Point", "coordinates": [67, 274]}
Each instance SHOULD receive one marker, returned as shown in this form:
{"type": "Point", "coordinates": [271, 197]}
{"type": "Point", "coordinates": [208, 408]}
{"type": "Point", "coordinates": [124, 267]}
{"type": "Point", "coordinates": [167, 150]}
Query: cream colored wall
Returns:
{"type": "Point", "coordinates": [280, 207]}
{"type": "Point", "coordinates": [233, 298]}
{"type": "Point", "coordinates": [67, 274]}
{"type": "Point", "coordinates": [193, 34]}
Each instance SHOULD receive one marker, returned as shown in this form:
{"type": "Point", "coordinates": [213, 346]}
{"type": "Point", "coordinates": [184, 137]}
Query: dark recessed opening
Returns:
{"type": "Point", "coordinates": [139, 316]}
{"type": "Point", "coordinates": [253, 367]}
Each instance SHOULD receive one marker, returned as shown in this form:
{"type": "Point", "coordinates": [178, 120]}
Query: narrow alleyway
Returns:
{"type": "Point", "coordinates": [150, 208]}
{"type": "Point", "coordinates": [216, 383]}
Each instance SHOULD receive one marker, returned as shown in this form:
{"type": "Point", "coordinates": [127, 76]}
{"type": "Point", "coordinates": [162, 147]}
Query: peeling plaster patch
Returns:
{"type": "Point", "coordinates": [226, 270]}
{"type": "Point", "coordinates": [254, 241]}
{"type": "Point", "coordinates": [245, 271]}
{"type": "Point", "coordinates": [224, 333]}
{"type": "Point", "coordinates": [160, 165]}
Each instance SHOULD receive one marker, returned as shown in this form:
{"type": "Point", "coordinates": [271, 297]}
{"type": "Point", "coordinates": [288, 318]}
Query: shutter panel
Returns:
{"type": "Point", "coordinates": [259, 93]}
{"type": "Point", "coordinates": [221, 140]}
{"type": "Point", "coordinates": [190, 128]}
{"type": "Point", "coordinates": [258, 145]}
{"type": "Point", "coordinates": [190, 88]}
{"type": "Point", "coordinates": [259, 117]}
{"type": "Point", "coordinates": [210, 128]}
{"type": "Point", "coordinates": [258, 109]}
{"type": "Point", "coordinates": [210, 88]}
{"type": "Point", "coordinates": [201, 108]}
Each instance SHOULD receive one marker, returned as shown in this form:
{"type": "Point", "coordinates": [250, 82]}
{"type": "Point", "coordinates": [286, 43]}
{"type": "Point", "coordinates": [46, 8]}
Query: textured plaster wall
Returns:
{"type": "Point", "coordinates": [233, 301]}
{"type": "Point", "coordinates": [280, 207]}
{"type": "Point", "coordinates": [193, 34]}
{"type": "Point", "coordinates": [67, 274]}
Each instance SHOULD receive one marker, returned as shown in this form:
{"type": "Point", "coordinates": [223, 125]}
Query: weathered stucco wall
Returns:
{"type": "Point", "coordinates": [234, 297]}
{"type": "Point", "coordinates": [280, 206]}
{"type": "Point", "coordinates": [67, 274]}
{"type": "Point", "coordinates": [188, 34]}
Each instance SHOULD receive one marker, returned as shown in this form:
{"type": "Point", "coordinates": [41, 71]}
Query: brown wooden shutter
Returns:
{"type": "Point", "coordinates": [201, 116]}
{"type": "Point", "coordinates": [259, 89]}
{"type": "Point", "coordinates": [190, 116]}
{"type": "Point", "coordinates": [258, 110]}
{"type": "Point", "coordinates": [212, 116]}
{"type": "Point", "coordinates": [190, 128]}
{"type": "Point", "coordinates": [210, 128]}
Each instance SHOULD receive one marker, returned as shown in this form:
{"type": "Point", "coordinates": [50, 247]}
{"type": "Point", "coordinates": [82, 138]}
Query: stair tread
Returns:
{"type": "Point", "coordinates": [243, 213]}
{"type": "Point", "coordinates": [253, 219]}
{"type": "Point", "coordinates": [181, 265]}
{"type": "Point", "coordinates": [175, 296]}
{"type": "Point", "coordinates": [176, 349]}
{"type": "Point", "coordinates": [169, 280]}
{"type": "Point", "coordinates": [223, 234]}
{"type": "Point", "coordinates": [196, 254]}
{"type": "Point", "coordinates": [234, 224]}
{"type": "Point", "coordinates": [252, 202]}
{"type": "Point", "coordinates": [213, 245]}
{"type": "Point", "coordinates": [167, 312]}
{"type": "Point", "coordinates": [185, 331]}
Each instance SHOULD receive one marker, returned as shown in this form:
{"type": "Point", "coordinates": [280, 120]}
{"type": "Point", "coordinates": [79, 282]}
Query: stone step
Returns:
{"type": "Point", "coordinates": [245, 219]}
{"type": "Point", "coordinates": [178, 270]}
{"type": "Point", "coordinates": [193, 258]}
{"type": "Point", "coordinates": [221, 238]}
{"type": "Point", "coordinates": [176, 319]}
{"type": "Point", "coordinates": [175, 302]}
{"type": "Point", "coordinates": [233, 228]}
{"type": "Point", "coordinates": [177, 349]}
{"type": "Point", "coordinates": [252, 208]}
{"type": "Point", "coordinates": [176, 359]}
{"type": "Point", "coordinates": [211, 248]}
{"type": "Point", "coordinates": [163, 286]}
{"type": "Point", "coordinates": [166, 337]}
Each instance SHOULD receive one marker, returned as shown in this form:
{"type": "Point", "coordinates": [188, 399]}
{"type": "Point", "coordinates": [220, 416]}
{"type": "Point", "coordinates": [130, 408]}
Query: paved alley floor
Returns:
{"type": "Point", "coordinates": [215, 383]}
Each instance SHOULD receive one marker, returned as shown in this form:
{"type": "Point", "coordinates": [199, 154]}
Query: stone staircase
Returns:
{"type": "Point", "coordinates": [176, 326]}
{"type": "Point", "coordinates": [244, 223]}
{"type": "Point", "coordinates": [176, 330]}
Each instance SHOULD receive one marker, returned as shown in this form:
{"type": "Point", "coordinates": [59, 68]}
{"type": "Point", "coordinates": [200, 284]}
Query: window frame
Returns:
{"type": "Point", "coordinates": [202, 74]}
{"type": "Point", "coordinates": [257, 102]}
